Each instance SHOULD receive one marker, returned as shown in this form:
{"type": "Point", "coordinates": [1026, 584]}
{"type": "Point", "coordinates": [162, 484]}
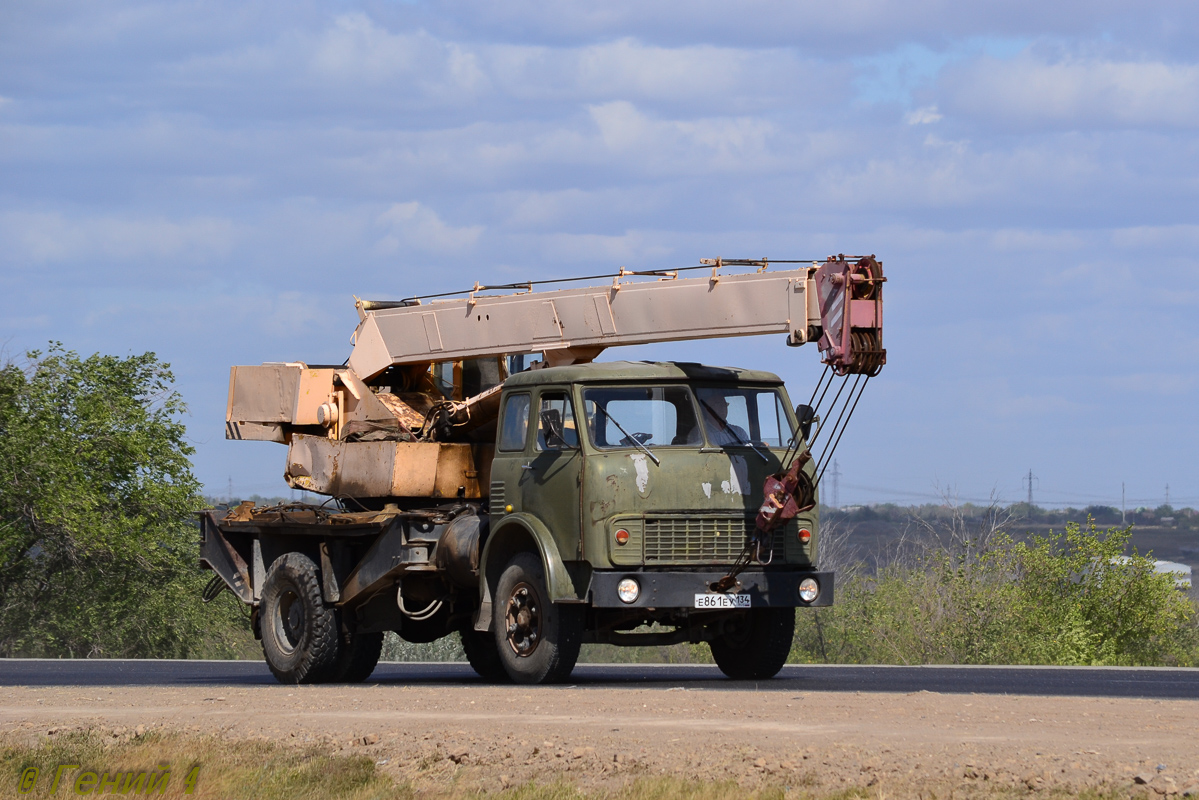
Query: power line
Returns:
{"type": "Point", "coordinates": [836, 484]}
{"type": "Point", "coordinates": [1047, 497]}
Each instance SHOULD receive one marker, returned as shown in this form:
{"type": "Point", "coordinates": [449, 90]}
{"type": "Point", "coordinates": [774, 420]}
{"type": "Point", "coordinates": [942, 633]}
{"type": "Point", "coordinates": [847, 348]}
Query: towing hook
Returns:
{"type": "Point", "coordinates": [725, 584]}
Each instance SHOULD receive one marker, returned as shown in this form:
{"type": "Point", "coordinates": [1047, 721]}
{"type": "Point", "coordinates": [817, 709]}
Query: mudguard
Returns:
{"type": "Point", "coordinates": [510, 533]}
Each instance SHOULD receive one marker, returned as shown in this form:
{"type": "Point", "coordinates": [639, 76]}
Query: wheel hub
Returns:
{"type": "Point", "coordinates": [289, 622]}
{"type": "Point", "coordinates": [523, 619]}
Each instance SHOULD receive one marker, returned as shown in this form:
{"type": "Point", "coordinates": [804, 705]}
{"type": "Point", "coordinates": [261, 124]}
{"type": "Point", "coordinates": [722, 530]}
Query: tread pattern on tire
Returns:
{"type": "Point", "coordinates": [763, 651]}
{"type": "Point", "coordinates": [316, 655]}
{"type": "Point", "coordinates": [358, 657]}
{"type": "Point", "coordinates": [555, 657]}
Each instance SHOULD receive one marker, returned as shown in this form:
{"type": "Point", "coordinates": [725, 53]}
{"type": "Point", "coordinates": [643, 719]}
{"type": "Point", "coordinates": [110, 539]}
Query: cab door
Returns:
{"type": "Point", "coordinates": [552, 474]}
{"type": "Point", "coordinates": [507, 466]}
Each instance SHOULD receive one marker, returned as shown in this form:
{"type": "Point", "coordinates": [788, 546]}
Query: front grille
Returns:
{"type": "Point", "coordinates": [691, 540]}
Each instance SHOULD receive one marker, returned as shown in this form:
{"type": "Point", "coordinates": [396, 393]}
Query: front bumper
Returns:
{"type": "Point", "coordinates": [665, 589]}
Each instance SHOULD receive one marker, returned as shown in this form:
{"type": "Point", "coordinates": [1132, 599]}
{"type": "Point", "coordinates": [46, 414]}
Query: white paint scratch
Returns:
{"type": "Point", "coordinates": [642, 467]}
{"type": "Point", "coordinates": [707, 487]}
{"type": "Point", "coordinates": [738, 482]}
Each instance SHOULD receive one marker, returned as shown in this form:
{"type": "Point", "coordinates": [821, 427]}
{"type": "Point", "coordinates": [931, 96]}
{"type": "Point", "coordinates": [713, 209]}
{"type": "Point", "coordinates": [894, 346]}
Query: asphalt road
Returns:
{"type": "Point", "coordinates": [1157, 683]}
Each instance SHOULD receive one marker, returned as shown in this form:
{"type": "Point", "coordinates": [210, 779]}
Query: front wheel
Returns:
{"type": "Point", "coordinates": [757, 646]}
{"type": "Point", "coordinates": [299, 632]}
{"type": "Point", "coordinates": [538, 641]}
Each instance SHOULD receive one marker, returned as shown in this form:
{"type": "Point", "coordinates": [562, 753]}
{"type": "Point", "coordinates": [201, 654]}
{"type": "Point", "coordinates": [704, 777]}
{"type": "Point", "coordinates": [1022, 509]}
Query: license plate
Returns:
{"type": "Point", "coordinates": [713, 600]}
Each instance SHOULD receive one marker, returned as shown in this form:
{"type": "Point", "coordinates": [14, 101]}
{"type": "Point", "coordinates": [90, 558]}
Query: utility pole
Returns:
{"type": "Point", "coordinates": [229, 497]}
{"type": "Point", "coordinates": [1123, 509]}
{"type": "Point", "coordinates": [1167, 494]}
{"type": "Point", "coordinates": [836, 484]}
{"type": "Point", "coordinates": [1030, 479]}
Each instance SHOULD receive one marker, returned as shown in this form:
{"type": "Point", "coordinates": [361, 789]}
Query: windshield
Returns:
{"type": "Point", "coordinates": [653, 416]}
{"type": "Point", "coordinates": [741, 416]}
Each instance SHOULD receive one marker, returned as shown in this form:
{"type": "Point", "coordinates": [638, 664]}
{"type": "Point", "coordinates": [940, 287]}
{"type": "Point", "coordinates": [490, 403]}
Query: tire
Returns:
{"type": "Point", "coordinates": [483, 655]}
{"type": "Point", "coordinates": [759, 646]}
{"type": "Point", "coordinates": [358, 657]}
{"type": "Point", "coordinates": [537, 641]}
{"type": "Point", "coordinates": [299, 632]}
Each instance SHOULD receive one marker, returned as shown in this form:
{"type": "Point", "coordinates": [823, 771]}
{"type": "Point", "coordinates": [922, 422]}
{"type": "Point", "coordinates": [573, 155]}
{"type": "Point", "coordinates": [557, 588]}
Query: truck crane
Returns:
{"type": "Point", "coordinates": [486, 477]}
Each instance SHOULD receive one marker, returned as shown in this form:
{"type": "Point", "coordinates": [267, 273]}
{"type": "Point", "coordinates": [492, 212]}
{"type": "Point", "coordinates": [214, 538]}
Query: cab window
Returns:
{"type": "Point", "coordinates": [515, 424]}
{"type": "Point", "coordinates": [658, 416]}
{"type": "Point", "coordinates": [741, 416]}
{"type": "Point", "coordinates": [556, 423]}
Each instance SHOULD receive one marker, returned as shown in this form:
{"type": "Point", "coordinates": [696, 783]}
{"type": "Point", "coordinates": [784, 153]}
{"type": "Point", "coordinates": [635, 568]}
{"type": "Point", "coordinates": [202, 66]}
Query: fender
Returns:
{"type": "Point", "coordinates": [508, 535]}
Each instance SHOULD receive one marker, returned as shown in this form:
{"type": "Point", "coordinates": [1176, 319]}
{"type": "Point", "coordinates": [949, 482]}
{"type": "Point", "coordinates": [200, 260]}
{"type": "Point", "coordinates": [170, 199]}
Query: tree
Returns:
{"type": "Point", "coordinates": [98, 543]}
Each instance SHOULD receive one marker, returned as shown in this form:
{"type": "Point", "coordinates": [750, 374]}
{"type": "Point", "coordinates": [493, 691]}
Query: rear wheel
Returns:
{"type": "Point", "coordinates": [758, 645]}
{"type": "Point", "coordinates": [358, 657]}
{"type": "Point", "coordinates": [483, 655]}
{"type": "Point", "coordinates": [538, 641]}
{"type": "Point", "coordinates": [299, 632]}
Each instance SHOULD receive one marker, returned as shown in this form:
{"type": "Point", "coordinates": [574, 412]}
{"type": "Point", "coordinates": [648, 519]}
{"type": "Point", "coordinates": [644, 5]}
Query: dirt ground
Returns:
{"type": "Point", "coordinates": [492, 737]}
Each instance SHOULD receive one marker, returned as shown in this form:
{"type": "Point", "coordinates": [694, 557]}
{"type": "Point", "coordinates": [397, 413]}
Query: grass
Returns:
{"type": "Point", "coordinates": [234, 769]}
{"type": "Point", "coordinates": [231, 770]}
{"type": "Point", "coordinates": [228, 769]}
{"type": "Point", "coordinates": [266, 771]}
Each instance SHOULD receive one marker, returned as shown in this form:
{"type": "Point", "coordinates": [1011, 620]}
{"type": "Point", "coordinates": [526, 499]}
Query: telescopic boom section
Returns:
{"type": "Point", "coordinates": [839, 302]}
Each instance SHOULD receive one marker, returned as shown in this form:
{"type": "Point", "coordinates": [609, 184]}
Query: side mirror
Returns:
{"type": "Point", "coordinates": [806, 416]}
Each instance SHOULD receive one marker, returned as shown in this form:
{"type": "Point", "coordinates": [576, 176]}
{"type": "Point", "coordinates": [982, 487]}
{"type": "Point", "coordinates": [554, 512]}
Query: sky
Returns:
{"type": "Point", "coordinates": [214, 181]}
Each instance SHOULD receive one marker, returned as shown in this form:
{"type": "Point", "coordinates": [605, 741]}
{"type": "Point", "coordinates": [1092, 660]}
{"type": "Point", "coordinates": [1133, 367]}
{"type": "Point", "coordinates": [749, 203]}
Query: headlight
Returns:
{"type": "Point", "coordinates": [622, 537]}
{"type": "Point", "coordinates": [628, 590]}
{"type": "Point", "coordinates": [805, 536]}
{"type": "Point", "coordinates": [809, 590]}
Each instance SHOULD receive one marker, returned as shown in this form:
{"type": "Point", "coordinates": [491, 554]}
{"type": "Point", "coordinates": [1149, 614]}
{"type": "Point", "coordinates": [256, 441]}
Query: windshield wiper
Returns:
{"type": "Point", "coordinates": [725, 426]}
{"type": "Point", "coordinates": [629, 436]}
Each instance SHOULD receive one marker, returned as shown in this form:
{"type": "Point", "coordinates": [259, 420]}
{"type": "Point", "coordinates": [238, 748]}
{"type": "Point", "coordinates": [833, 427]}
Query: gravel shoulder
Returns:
{"type": "Point", "coordinates": [491, 737]}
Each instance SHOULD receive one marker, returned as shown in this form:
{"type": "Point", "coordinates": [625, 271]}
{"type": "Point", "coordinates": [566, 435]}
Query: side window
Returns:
{"type": "Point", "coordinates": [556, 423]}
{"type": "Point", "coordinates": [515, 423]}
{"type": "Point", "coordinates": [772, 419]}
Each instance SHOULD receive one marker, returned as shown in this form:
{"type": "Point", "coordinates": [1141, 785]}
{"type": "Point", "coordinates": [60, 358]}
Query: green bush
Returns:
{"type": "Point", "coordinates": [1073, 598]}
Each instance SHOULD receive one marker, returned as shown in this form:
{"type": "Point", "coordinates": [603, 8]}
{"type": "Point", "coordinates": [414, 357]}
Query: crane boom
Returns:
{"type": "Point", "coordinates": [574, 325]}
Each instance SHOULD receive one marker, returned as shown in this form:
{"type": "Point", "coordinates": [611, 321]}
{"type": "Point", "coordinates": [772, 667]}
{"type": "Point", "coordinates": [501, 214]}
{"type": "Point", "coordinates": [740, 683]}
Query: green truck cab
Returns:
{"type": "Point", "coordinates": [635, 485]}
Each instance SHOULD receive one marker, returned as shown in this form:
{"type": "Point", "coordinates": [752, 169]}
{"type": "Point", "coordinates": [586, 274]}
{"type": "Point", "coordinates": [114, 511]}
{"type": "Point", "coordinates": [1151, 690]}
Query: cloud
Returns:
{"type": "Point", "coordinates": [356, 49]}
{"type": "Point", "coordinates": [1151, 383]}
{"type": "Point", "coordinates": [413, 226]}
{"type": "Point", "coordinates": [1075, 92]}
{"type": "Point", "coordinates": [52, 237]}
{"type": "Point", "coordinates": [632, 247]}
{"type": "Point", "coordinates": [357, 58]}
{"type": "Point", "coordinates": [833, 30]}
{"type": "Point", "coordinates": [1176, 238]}
{"type": "Point", "coordinates": [709, 145]}
{"type": "Point", "coordinates": [923, 116]}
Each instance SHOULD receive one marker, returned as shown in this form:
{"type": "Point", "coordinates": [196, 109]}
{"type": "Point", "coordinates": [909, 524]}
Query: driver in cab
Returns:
{"type": "Point", "coordinates": [721, 432]}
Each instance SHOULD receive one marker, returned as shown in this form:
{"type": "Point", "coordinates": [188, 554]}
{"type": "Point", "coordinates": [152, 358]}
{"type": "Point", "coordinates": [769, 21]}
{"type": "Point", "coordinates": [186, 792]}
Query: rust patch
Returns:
{"type": "Point", "coordinates": [409, 408]}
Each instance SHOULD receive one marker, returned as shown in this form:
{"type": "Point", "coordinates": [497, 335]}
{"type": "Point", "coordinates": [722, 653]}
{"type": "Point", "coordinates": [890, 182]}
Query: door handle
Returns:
{"type": "Point", "coordinates": [526, 466]}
